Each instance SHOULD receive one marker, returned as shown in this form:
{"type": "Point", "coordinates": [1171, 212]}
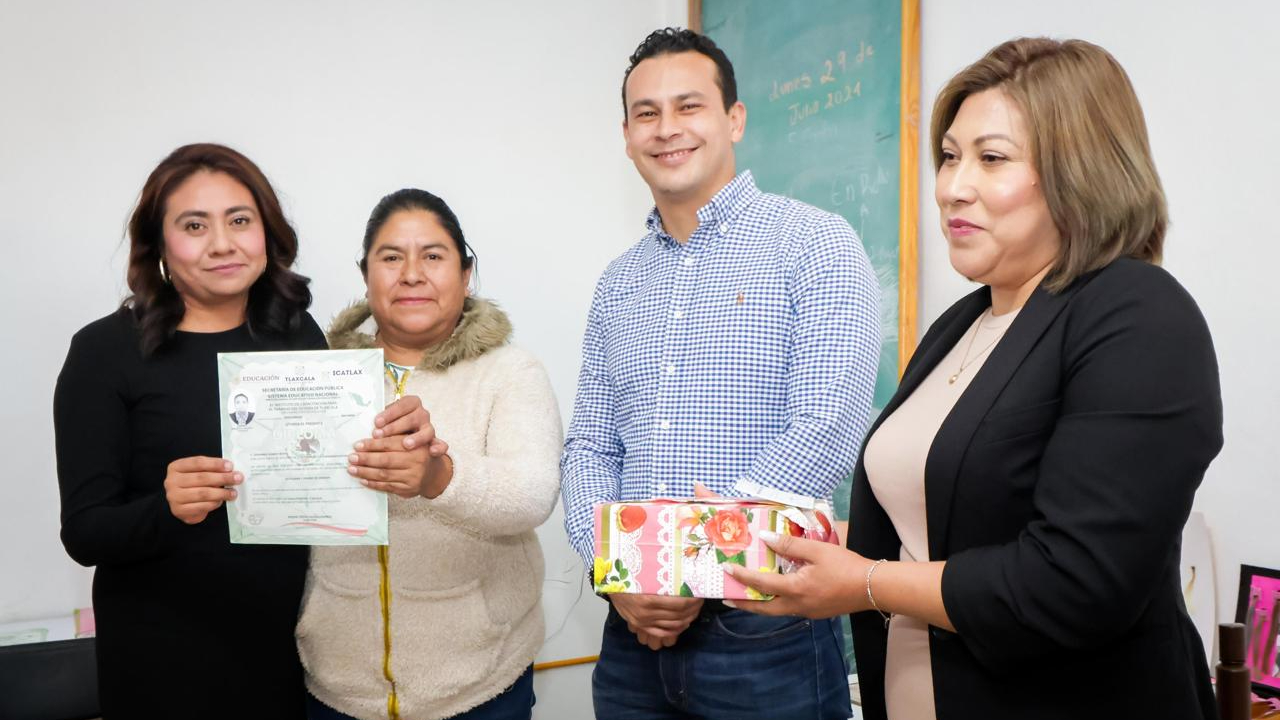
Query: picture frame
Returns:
{"type": "Point", "coordinates": [1258, 608]}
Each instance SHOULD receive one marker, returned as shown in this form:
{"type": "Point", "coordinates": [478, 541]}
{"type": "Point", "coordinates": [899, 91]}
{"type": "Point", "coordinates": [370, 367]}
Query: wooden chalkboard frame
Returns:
{"type": "Point", "coordinates": [909, 176]}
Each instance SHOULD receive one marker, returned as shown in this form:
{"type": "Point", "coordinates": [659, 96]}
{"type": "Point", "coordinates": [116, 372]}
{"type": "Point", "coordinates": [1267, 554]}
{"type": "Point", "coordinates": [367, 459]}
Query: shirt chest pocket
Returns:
{"type": "Point", "coordinates": [747, 327]}
{"type": "Point", "coordinates": [724, 324]}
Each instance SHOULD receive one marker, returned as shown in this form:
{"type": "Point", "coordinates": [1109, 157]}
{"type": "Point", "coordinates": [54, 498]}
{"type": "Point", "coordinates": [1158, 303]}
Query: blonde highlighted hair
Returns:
{"type": "Point", "coordinates": [1088, 141]}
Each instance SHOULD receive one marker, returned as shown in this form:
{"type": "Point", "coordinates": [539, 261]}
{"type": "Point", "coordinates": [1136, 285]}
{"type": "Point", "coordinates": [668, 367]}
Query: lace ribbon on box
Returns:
{"type": "Point", "coordinates": [666, 555]}
{"type": "Point", "coordinates": [629, 553]}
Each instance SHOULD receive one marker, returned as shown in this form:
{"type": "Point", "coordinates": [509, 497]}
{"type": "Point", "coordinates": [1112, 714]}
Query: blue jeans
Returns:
{"type": "Point", "coordinates": [729, 665]}
{"type": "Point", "coordinates": [515, 703]}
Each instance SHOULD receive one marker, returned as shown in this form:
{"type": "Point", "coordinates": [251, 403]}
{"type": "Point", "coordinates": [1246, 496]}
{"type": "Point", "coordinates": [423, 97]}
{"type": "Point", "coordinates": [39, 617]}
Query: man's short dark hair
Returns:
{"type": "Point", "coordinates": [240, 395]}
{"type": "Point", "coordinates": [677, 40]}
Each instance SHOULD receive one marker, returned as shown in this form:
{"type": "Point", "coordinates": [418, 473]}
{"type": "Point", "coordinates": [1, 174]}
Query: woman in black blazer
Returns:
{"type": "Point", "coordinates": [1051, 492]}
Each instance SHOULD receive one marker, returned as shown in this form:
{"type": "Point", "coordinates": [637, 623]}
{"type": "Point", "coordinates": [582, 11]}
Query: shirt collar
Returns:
{"type": "Point", "coordinates": [723, 207]}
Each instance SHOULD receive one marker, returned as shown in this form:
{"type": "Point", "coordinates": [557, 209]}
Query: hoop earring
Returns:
{"type": "Point", "coordinates": [164, 272]}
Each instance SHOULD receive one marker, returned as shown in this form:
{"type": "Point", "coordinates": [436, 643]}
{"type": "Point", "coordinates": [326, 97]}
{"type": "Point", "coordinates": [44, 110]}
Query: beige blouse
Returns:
{"type": "Point", "coordinates": [895, 461]}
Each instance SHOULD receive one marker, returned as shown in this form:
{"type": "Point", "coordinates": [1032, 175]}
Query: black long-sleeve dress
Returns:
{"type": "Point", "coordinates": [188, 624]}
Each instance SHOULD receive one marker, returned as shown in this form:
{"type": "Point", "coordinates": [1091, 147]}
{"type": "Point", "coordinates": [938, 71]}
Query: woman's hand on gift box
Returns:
{"type": "Point", "coordinates": [834, 581]}
{"type": "Point", "coordinates": [656, 621]}
{"type": "Point", "coordinates": [829, 583]}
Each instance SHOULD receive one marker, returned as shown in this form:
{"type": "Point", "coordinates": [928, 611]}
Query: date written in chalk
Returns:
{"type": "Point", "coordinates": [799, 112]}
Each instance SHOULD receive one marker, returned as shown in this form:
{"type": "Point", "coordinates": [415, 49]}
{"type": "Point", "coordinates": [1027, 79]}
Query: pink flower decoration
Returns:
{"type": "Point", "coordinates": [728, 531]}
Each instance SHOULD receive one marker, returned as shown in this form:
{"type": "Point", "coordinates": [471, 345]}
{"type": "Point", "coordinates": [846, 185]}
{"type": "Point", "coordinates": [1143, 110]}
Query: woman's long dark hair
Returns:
{"type": "Point", "coordinates": [278, 298]}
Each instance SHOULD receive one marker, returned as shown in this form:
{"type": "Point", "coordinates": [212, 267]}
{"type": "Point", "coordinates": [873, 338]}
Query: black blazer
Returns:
{"type": "Point", "coordinates": [1056, 491]}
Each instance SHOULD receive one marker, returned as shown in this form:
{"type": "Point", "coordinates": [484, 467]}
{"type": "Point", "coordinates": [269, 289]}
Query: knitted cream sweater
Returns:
{"type": "Point", "coordinates": [465, 568]}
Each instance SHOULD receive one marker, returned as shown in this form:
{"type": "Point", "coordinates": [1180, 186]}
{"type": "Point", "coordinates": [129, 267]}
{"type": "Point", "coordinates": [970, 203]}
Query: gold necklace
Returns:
{"type": "Point", "coordinates": [966, 361]}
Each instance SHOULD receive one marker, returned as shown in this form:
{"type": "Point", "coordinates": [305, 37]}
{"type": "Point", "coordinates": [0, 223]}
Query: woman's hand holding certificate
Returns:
{"type": "Point", "coordinates": [394, 461]}
{"type": "Point", "coordinates": [407, 418]}
{"type": "Point", "coordinates": [196, 486]}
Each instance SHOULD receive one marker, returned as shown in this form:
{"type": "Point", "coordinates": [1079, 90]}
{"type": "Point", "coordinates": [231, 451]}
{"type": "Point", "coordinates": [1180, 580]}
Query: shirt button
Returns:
{"type": "Point", "coordinates": [724, 228]}
{"type": "Point", "coordinates": [662, 487]}
{"type": "Point", "coordinates": [688, 261]}
{"type": "Point", "coordinates": [665, 424]}
{"type": "Point", "coordinates": [679, 314]}
{"type": "Point", "coordinates": [671, 369]}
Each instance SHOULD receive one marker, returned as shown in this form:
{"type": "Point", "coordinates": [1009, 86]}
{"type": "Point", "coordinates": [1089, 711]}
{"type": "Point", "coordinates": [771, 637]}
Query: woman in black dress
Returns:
{"type": "Point", "coordinates": [188, 625]}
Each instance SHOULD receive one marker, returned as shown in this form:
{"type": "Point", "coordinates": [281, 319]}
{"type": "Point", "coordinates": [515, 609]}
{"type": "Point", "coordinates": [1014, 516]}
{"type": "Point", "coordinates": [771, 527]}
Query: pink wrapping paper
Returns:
{"type": "Point", "coordinates": [676, 547]}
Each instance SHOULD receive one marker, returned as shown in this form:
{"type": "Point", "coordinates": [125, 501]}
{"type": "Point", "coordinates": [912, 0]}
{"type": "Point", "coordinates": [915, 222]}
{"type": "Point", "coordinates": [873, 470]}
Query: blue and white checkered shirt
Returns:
{"type": "Point", "coordinates": [748, 352]}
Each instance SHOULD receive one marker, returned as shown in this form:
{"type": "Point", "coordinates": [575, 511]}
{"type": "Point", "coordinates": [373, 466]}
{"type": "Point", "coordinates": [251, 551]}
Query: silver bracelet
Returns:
{"type": "Point", "coordinates": [871, 597]}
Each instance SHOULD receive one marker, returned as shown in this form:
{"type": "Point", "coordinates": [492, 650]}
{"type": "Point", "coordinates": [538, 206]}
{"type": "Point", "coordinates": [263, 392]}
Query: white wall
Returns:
{"type": "Point", "coordinates": [509, 110]}
{"type": "Point", "coordinates": [1206, 76]}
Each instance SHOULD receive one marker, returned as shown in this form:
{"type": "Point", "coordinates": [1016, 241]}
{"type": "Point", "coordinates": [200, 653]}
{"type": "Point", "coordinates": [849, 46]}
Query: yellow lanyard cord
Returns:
{"type": "Point", "coordinates": [384, 595]}
{"type": "Point", "coordinates": [399, 376]}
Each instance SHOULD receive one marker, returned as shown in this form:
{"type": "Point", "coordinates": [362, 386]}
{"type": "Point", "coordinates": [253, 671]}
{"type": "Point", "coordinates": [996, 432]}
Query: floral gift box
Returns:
{"type": "Point", "coordinates": [676, 547]}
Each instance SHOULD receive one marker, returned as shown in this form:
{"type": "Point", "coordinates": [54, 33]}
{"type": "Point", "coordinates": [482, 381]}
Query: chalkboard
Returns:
{"type": "Point", "coordinates": [832, 95]}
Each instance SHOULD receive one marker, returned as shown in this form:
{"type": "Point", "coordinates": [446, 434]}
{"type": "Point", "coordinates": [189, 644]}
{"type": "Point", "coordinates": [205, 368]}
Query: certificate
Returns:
{"type": "Point", "coordinates": [289, 421]}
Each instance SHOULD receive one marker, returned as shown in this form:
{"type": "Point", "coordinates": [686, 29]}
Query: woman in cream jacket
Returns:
{"type": "Point", "coordinates": [446, 620]}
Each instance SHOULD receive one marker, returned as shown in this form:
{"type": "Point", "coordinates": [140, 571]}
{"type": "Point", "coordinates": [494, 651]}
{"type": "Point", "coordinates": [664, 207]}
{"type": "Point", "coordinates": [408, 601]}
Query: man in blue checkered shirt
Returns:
{"type": "Point", "coordinates": [738, 339]}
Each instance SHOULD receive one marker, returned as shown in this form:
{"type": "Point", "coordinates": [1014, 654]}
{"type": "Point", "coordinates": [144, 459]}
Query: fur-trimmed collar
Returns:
{"type": "Point", "coordinates": [484, 326]}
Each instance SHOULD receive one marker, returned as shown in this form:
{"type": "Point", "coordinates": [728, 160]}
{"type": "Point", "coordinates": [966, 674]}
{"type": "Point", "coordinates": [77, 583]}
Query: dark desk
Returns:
{"type": "Point", "coordinates": [49, 681]}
